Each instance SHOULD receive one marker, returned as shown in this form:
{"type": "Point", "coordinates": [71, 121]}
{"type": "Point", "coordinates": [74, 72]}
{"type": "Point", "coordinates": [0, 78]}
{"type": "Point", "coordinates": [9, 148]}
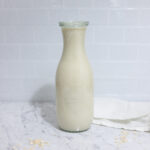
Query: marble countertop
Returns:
{"type": "Point", "coordinates": [22, 122]}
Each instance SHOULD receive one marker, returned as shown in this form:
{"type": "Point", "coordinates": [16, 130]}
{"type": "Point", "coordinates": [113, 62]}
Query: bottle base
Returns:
{"type": "Point", "coordinates": [74, 131]}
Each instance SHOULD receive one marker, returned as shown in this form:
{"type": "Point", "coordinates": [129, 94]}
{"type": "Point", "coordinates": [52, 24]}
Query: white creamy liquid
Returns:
{"type": "Point", "coordinates": [74, 83]}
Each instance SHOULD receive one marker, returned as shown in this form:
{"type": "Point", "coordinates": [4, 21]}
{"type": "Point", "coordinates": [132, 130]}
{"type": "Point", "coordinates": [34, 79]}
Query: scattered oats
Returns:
{"type": "Point", "coordinates": [24, 148]}
{"type": "Point", "coordinates": [31, 148]}
{"type": "Point", "coordinates": [39, 142]}
{"type": "Point", "coordinates": [31, 141]}
{"type": "Point", "coordinates": [122, 138]}
{"type": "Point", "coordinates": [14, 148]}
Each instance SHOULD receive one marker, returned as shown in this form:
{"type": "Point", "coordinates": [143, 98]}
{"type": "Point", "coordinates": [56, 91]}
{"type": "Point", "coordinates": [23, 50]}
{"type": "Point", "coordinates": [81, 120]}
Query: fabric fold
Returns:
{"type": "Point", "coordinates": [131, 115]}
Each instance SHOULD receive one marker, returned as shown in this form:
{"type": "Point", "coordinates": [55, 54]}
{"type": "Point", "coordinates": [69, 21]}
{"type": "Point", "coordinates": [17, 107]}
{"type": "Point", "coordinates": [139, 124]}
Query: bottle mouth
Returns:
{"type": "Point", "coordinates": [73, 24]}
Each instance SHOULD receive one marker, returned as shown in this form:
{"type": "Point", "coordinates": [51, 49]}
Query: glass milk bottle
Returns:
{"type": "Point", "coordinates": [74, 80]}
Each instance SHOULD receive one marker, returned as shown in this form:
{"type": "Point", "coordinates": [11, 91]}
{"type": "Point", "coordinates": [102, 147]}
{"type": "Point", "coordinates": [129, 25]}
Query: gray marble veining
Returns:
{"type": "Point", "coordinates": [22, 121]}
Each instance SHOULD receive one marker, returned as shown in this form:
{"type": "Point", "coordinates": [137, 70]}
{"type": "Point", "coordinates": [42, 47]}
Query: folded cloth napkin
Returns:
{"type": "Point", "coordinates": [131, 115]}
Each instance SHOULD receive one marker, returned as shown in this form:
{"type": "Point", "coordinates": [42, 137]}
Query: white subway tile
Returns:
{"type": "Point", "coordinates": [69, 15]}
{"type": "Point", "coordinates": [47, 3]}
{"type": "Point", "coordinates": [48, 34]}
{"type": "Point", "coordinates": [57, 15]}
{"type": "Point", "coordinates": [53, 34]}
{"type": "Point", "coordinates": [108, 35]}
{"type": "Point", "coordinates": [33, 85]}
{"type": "Point", "coordinates": [39, 90]}
{"type": "Point", "coordinates": [77, 3]}
{"type": "Point", "coordinates": [123, 52]}
{"type": "Point", "coordinates": [32, 17]}
{"type": "Point", "coordinates": [143, 69]}
{"type": "Point", "coordinates": [17, 70]}
{"type": "Point", "coordinates": [123, 17]}
{"type": "Point", "coordinates": [27, 90]}
{"type": "Point", "coordinates": [116, 87]}
{"type": "Point", "coordinates": [1, 3]}
{"type": "Point", "coordinates": [144, 52]}
{"type": "Point", "coordinates": [2, 35]}
{"type": "Point", "coordinates": [41, 52]}
{"type": "Point", "coordinates": [8, 17]}
{"type": "Point", "coordinates": [137, 35]}
{"type": "Point", "coordinates": [18, 3]}
{"type": "Point", "coordinates": [143, 87]}
{"type": "Point", "coordinates": [5, 97]}
{"type": "Point", "coordinates": [9, 52]}
{"type": "Point", "coordinates": [137, 4]}
{"type": "Point", "coordinates": [136, 97]}
{"type": "Point", "coordinates": [97, 52]}
{"type": "Point", "coordinates": [11, 90]}
{"type": "Point", "coordinates": [3, 69]}
{"type": "Point", "coordinates": [89, 35]}
{"type": "Point", "coordinates": [144, 17]}
{"type": "Point", "coordinates": [115, 70]}
{"type": "Point", "coordinates": [132, 35]}
{"type": "Point", "coordinates": [20, 34]}
{"type": "Point", "coordinates": [109, 3]}
{"type": "Point", "coordinates": [129, 97]}
{"type": "Point", "coordinates": [117, 45]}
{"type": "Point", "coordinates": [13, 96]}
{"type": "Point", "coordinates": [10, 85]}
{"type": "Point", "coordinates": [28, 69]}
{"type": "Point", "coordinates": [121, 70]}
{"type": "Point", "coordinates": [46, 69]}
{"type": "Point", "coordinates": [95, 17]}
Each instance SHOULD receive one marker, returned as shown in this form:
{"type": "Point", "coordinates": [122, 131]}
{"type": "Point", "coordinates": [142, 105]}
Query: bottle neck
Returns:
{"type": "Point", "coordinates": [73, 41]}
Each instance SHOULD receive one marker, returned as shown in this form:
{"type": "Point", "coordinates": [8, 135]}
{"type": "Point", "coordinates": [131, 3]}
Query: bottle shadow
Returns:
{"type": "Point", "coordinates": [45, 100]}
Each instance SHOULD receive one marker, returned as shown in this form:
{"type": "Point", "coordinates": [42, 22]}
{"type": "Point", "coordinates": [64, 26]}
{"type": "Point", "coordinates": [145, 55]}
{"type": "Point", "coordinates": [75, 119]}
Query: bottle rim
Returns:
{"type": "Point", "coordinates": [73, 24]}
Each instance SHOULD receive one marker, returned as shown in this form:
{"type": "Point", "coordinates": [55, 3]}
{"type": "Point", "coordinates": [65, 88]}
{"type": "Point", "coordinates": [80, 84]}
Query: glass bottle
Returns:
{"type": "Point", "coordinates": [74, 80]}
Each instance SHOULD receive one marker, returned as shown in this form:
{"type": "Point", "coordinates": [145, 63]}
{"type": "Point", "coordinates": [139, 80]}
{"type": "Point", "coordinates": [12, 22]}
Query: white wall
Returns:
{"type": "Point", "coordinates": [117, 44]}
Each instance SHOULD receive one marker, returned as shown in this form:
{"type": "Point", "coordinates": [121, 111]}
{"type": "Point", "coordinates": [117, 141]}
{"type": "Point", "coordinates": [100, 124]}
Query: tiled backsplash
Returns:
{"type": "Point", "coordinates": [117, 44]}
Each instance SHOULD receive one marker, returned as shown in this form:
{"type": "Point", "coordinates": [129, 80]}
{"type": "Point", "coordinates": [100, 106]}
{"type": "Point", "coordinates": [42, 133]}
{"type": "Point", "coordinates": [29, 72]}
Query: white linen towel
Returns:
{"type": "Point", "coordinates": [131, 115]}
